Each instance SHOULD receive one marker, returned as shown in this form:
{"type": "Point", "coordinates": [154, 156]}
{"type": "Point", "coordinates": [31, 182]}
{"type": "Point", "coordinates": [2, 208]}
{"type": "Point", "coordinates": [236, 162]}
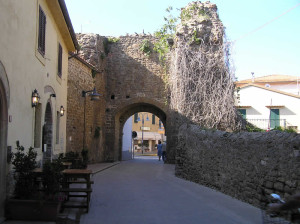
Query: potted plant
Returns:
{"type": "Point", "coordinates": [33, 197]}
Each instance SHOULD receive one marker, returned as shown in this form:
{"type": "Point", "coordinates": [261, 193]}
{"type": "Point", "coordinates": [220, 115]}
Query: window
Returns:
{"type": "Point", "coordinates": [136, 118]}
{"type": "Point", "coordinates": [57, 127]}
{"type": "Point", "coordinates": [153, 119]}
{"type": "Point", "coordinates": [42, 31]}
{"type": "Point", "coordinates": [59, 63]}
{"type": "Point", "coordinates": [37, 126]}
{"type": "Point", "coordinates": [243, 113]}
{"type": "Point", "coordinates": [160, 124]}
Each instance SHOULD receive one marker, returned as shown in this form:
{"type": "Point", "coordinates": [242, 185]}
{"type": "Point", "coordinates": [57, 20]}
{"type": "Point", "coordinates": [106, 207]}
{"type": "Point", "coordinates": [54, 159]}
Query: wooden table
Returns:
{"type": "Point", "coordinates": [67, 165]}
{"type": "Point", "coordinates": [81, 177]}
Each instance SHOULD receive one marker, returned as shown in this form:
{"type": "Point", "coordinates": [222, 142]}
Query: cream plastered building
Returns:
{"type": "Point", "coordinates": [36, 36]}
{"type": "Point", "coordinates": [270, 101]}
{"type": "Point", "coordinates": [149, 128]}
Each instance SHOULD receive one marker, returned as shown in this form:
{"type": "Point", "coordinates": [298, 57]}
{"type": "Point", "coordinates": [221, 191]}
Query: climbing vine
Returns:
{"type": "Point", "coordinates": [201, 79]}
{"type": "Point", "coordinates": [202, 87]}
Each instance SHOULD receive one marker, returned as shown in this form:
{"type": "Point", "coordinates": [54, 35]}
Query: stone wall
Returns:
{"type": "Point", "coordinates": [134, 81]}
{"type": "Point", "coordinates": [243, 165]}
{"type": "Point", "coordinates": [81, 78]}
{"type": "Point", "coordinates": [132, 78]}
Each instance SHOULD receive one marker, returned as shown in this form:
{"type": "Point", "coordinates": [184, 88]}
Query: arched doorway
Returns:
{"type": "Point", "coordinates": [4, 100]}
{"type": "Point", "coordinates": [129, 110]}
{"type": "Point", "coordinates": [48, 133]}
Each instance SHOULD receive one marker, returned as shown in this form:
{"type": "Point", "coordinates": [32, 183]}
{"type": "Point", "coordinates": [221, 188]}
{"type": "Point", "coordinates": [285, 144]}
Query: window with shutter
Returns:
{"type": "Point", "coordinates": [136, 118]}
{"type": "Point", "coordinates": [153, 119]}
{"type": "Point", "coordinates": [42, 31]}
{"type": "Point", "coordinates": [59, 64]}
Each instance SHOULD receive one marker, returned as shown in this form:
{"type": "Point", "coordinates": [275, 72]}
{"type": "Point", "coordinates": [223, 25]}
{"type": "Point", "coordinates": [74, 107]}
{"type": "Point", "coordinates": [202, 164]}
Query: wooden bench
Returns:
{"type": "Point", "coordinates": [77, 176]}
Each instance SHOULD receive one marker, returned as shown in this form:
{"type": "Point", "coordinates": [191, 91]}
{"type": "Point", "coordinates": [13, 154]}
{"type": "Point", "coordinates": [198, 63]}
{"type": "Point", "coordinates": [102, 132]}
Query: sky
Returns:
{"type": "Point", "coordinates": [265, 35]}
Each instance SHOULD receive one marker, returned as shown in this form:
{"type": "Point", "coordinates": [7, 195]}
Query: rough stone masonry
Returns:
{"type": "Point", "coordinates": [245, 165]}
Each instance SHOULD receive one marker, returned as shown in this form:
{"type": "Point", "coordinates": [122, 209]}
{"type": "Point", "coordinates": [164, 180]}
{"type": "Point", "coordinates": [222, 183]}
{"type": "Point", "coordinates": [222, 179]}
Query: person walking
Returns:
{"type": "Point", "coordinates": [164, 151]}
{"type": "Point", "coordinates": [159, 150]}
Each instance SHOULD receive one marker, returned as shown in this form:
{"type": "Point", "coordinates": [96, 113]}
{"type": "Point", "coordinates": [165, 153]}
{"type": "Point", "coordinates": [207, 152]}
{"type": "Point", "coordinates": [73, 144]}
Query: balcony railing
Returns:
{"type": "Point", "coordinates": [268, 123]}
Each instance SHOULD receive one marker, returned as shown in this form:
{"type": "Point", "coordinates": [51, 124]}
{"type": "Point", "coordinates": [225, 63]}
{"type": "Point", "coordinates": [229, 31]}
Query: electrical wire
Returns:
{"type": "Point", "coordinates": [267, 23]}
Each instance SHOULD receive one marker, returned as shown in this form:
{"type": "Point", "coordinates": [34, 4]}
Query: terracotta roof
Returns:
{"type": "Point", "coordinates": [271, 78]}
{"type": "Point", "coordinates": [270, 89]}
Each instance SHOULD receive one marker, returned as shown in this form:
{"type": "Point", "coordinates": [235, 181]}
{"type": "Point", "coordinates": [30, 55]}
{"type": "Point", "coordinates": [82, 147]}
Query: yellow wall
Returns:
{"type": "Point", "coordinates": [153, 127]}
{"type": "Point", "coordinates": [27, 70]}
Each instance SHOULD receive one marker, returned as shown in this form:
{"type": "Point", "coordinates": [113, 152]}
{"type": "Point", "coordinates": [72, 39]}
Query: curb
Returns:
{"type": "Point", "coordinates": [104, 168]}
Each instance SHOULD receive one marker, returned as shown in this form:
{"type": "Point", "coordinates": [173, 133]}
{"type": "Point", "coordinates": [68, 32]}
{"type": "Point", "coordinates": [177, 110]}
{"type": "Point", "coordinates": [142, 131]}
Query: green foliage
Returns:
{"type": "Point", "coordinates": [167, 31]}
{"type": "Point", "coordinates": [252, 128]}
{"type": "Point", "coordinates": [112, 40]}
{"type": "Point", "coordinates": [288, 130]}
{"type": "Point", "coordinates": [195, 39]}
{"type": "Point", "coordinates": [145, 47]}
{"type": "Point", "coordinates": [52, 176]}
{"type": "Point", "coordinates": [24, 163]}
{"type": "Point", "coordinates": [106, 43]}
{"type": "Point", "coordinates": [187, 13]}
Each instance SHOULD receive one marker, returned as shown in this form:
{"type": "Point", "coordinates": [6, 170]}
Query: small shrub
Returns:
{"type": "Point", "coordinates": [252, 128]}
{"type": "Point", "coordinates": [145, 47]}
{"type": "Point", "coordinates": [24, 163]}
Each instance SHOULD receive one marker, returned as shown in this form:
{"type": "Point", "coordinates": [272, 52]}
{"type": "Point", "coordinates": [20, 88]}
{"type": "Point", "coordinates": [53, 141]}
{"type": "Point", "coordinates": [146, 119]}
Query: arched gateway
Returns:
{"type": "Point", "coordinates": [122, 114]}
{"type": "Point", "coordinates": [129, 81]}
{"type": "Point", "coordinates": [131, 78]}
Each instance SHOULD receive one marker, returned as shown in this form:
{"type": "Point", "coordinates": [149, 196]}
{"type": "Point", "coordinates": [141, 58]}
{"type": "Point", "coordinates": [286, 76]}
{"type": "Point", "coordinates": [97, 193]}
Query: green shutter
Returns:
{"type": "Point", "coordinates": [243, 113]}
{"type": "Point", "coordinates": [274, 118]}
{"type": "Point", "coordinates": [135, 118]}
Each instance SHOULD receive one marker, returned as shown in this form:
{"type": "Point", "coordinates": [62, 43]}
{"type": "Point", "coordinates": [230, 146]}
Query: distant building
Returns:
{"type": "Point", "coordinates": [270, 101]}
{"type": "Point", "coordinates": [285, 83]}
{"type": "Point", "coordinates": [149, 129]}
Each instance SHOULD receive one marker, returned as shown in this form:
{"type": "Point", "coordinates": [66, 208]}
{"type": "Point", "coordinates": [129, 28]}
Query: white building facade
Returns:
{"type": "Point", "coordinates": [267, 107]}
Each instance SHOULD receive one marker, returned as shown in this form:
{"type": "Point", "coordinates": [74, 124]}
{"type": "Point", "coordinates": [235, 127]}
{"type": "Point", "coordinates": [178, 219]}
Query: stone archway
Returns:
{"type": "Point", "coordinates": [128, 110]}
{"type": "Point", "coordinates": [4, 103]}
{"type": "Point", "coordinates": [48, 133]}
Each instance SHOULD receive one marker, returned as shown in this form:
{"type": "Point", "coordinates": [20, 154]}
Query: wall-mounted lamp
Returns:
{"type": "Point", "coordinates": [62, 111]}
{"type": "Point", "coordinates": [92, 93]}
{"type": "Point", "coordinates": [52, 95]}
{"type": "Point", "coordinates": [35, 98]}
{"type": "Point", "coordinates": [94, 97]}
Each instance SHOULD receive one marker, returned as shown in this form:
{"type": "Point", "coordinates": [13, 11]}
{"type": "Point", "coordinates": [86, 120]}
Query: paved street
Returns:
{"type": "Point", "coordinates": [145, 190]}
